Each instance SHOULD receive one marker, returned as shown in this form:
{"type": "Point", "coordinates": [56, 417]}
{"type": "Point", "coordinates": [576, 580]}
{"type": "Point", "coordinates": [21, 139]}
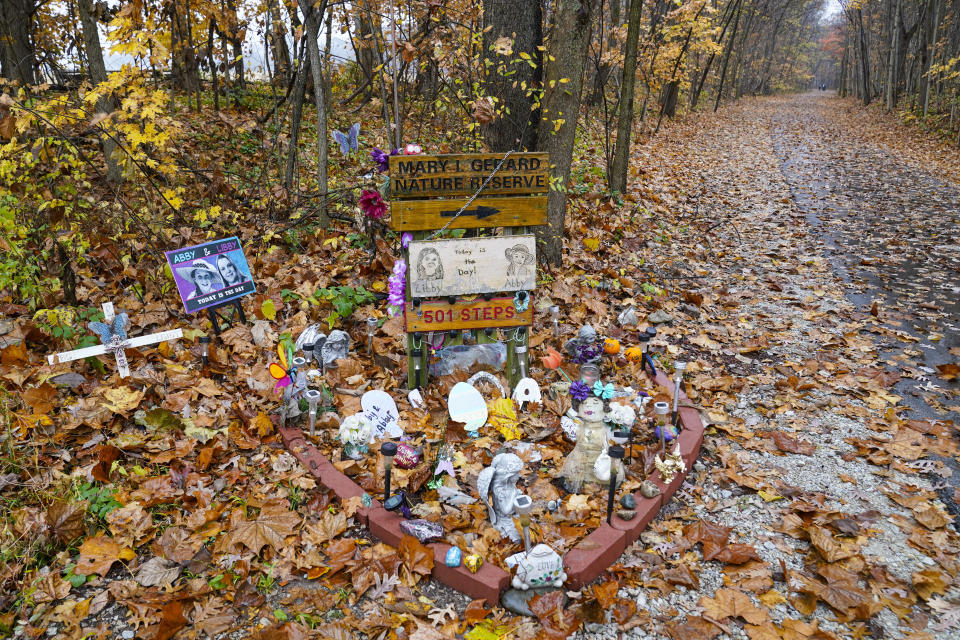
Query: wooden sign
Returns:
{"type": "Point", "coordinates": [455, 267]}
{"type": "Point", "coordinates": [461, 174]}
{"type": "Point", "coordinates": [440, 315]}
{"type": "Point", "coordinates": [419, 215]}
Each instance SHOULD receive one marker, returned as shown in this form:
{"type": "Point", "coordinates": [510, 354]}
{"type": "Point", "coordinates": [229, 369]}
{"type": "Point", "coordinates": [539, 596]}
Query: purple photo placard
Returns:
{"type": "Point", "coordinates": [211, 274]}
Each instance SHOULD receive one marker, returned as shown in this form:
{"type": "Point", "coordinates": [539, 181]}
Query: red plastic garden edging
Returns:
{"type": "Point", "coordinates": [583, 563]}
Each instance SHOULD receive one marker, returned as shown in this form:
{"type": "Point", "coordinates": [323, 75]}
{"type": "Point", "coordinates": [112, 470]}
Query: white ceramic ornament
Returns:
{"type": "Point", "coordinates": [381, 411]}
{"type": "Point", "coordinates": [466, 405]}
{"type": "Point", "coordinates": [415, 398]}
{"type": "Point", "coordinates": [542, 567]}
{"type": "Point", "coordinates": [527, 390]}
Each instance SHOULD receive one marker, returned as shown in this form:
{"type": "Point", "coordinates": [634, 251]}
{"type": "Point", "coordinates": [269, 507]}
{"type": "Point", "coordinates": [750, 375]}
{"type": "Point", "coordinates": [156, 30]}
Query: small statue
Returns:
{"type": "Point", "coordinates": [670, 466]}
{"type": "Point", "coordinates": [542, 567]}
{"type": "Point", "coordinates": [581, 345]}
{"type": "Point", "coordinates": [500, 479]}
{"type": "Point", "coordinates": [591, 442]}
{"type": "Point", "coordinates": [336, 347]}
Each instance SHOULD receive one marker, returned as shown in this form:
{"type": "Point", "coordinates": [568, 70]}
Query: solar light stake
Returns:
{"type": "Point", "coordinates": [313, 399]}
{"type": "Point", "coordinates": [388, 450]}
{"type": "Point", "coordinates": [677, 386]}
{"type": "Point", "coordinates": [371, 329]}
{"type": "Point", "coordinates": [616, 455]}
{"type": "Point", "coordinates": [416, 354]}
{"type": "Point", "coordinates": [524, 505]}
{"type": "Point", "coordinates": [621, 438]}
{"type": "Point", "coordinates": [660, 410]}
{"type": "Point", "coordinates": [555, 316]}
{"type": "Point", "coordinates": [308, 352]}
{"type": "Point", "coordinates": [204, 350]}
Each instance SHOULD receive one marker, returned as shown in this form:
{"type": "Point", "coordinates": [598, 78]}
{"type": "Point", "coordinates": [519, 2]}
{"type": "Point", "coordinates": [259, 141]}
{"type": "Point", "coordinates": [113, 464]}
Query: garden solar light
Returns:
{"type": "Point", "coordinates": [313, 399]}
{"type": "Point", "coordinates": [616, 455]}
{"type": "Point", "coordinates": [555, 316]}
{"type": "Point", "coordinates": [371, 329]}
{"type": "Point", "coordinates": [677, 386]}
{"type": "Point", "coordinates": [524, 505]}
{"type": "Point", "coordinates": [204, 349]}
{"type": "Point", "coordinates": [388, 450]}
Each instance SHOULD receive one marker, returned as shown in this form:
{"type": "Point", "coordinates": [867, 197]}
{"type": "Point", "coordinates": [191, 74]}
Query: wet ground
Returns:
{"type": "Point", "coordinates": [892, 231]}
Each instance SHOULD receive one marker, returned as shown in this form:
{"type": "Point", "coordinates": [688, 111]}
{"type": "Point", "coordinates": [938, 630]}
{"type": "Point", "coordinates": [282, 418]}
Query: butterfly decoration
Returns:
{"type": "Point", "coordinates": [605, 392]}
{"type": "Point", "coordinates": [348, 141]}
{"type": "Point", "coordinates": [282, 372]}
{"type": "Point", "coordinates": [107, 332]}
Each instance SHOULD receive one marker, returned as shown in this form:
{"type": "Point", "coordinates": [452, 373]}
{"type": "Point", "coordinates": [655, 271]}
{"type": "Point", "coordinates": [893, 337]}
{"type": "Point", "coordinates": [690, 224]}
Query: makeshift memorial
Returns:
{"type": "Point", "coordinates": [381, 411]}
{"type": "Point", "coordinates": [473, 562]}
{"type": "Point", "coordinates": [465, 404]}
{"type": "Point", "coordinates": [407, 456]}
{"type": "Point", "coordinates": [113, 338]}
{"type": "Point", "coordinates": [555, 316]}
{"type": "Point", "coordinates": [663, 430]}
{"type": "Point", "coordinates": [453, 557]}
{"type": "Point", "coordinates": [204, 350]}
{"type": "Point", "coordinates": [678, 370]}
{"type": "Point", "coordinates": [355, 432]}
{"type": "Point", "coordinates": [422, 530]}
{"type": "Point", "coordinates": [615, 454]}
{"type": "Point", "coordinates": [591, 442]}
{"type": "Point", "coordinates": [527, 390]}
{"type": "Point", "coordinates": [210, 276]}
{"type": "Point", "coordinates": [312, 397]}
{"type": "Point", "coordinates": [500, 480]}
{"type": "Point", "coordinates": [671, 465]}
{"type": "Point", "coordinates": [540, 567]}
{"type": "Point", "coordinates": [388, 450]}
{"type": "Point", "coordinates": [454, 267]}
{"type": "Point", "coordinates": [336, 347]}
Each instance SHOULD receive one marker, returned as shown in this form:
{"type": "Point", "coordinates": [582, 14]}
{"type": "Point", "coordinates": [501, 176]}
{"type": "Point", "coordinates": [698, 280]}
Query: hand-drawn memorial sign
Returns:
{"type": "Point", "coordinates": [477, 265]}
{"type": "Point", "coordinates": [211, 274]}
{"type": "Point", "coordinates": [440, 315]}
{"type": "Point", "coordinates": [451, 179]}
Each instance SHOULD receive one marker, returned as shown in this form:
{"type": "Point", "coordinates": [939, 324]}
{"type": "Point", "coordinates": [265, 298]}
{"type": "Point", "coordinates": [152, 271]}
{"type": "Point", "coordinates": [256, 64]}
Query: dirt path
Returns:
{"type": "Point", "coordinates": [810, 210]}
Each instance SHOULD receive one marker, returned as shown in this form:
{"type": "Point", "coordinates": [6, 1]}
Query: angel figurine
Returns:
{"type": "Point", "coordinates": [500, 480]}
{"type": "Point", "coordinates": [581, 465]}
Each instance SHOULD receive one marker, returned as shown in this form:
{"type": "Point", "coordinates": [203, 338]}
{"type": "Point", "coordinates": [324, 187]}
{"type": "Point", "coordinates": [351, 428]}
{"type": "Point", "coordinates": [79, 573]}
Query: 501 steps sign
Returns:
{"type": "Point", "coordinates": [449, 180]}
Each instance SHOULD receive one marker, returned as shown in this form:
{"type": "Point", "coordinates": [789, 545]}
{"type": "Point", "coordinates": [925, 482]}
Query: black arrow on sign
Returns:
{"type": "Point", "coordinates": [480, 212]}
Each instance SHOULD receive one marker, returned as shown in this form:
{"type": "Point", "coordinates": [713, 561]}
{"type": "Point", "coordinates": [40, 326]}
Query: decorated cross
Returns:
{"type": "Point", "coordinates": [113, 336]}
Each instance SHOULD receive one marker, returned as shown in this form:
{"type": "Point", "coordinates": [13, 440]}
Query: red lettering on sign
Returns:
{"type": "Point", "coordinates": [511, 312]}
{"type": "Point", "coordinates": [486, 314]}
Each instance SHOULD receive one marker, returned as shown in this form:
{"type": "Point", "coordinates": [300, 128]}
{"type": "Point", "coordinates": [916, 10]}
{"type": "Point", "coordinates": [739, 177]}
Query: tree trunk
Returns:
{"type": "Point", "coordinates": [312, 18]}
{"type": "Point", "coordinates": [520, 21]}
{"type": "Point", "coordinates": [567, 53]}
{"type": "Point", "coordinates": [296, 115]}
{"type": "Point", "coordinates": [726, 59]}
{"type": "Point", "coordinates": [604, 70]}
{"type": "Point", "coordinates": [98, 74]}
{"type": "Point", "coordinates": [278, 42]}
{"type": "Point", "coordinates": [621, 152]}
{"type": "Point", "coordinates": [893, 58]}
{"type": "Point", "coordinates": [864, 61]}
{"type": "Point", "coordinates": [17, 53]}
{"type": "Point", "coordinates": [928, 52]}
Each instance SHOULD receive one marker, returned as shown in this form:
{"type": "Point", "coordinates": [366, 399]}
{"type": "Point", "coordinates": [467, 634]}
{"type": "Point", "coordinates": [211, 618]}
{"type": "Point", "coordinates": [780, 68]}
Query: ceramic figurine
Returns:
{"type": "Point", "coordinates": [310, 336]}
{"type": "Point", "coordinates": [527, 390]}
{"type": "Point", "coordinates": [591, 442]}
{"type": "Point", "coordinates": [587, 336]}
{"type": "Point", "coordinates": [542, 567]}
{"type": "Point", "coordinates": [336, 347]}
{"type": "Point", "coordinates": [601, 469]}
{"type": "Point", "coordinates": [500, 480]}
{"type": "Point", "coordinates": [670, 466]}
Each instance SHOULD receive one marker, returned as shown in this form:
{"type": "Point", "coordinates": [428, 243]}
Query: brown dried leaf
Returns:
{"type": "Point", "coordinates": [98, 554]}
{"type": "Point", "coordinates": [694, 627]}
{"type": "Point", "coordinates": [475, 611]}
{"type": "Point", "coordinates": [730, 603]}
{"type": "Point", "coordinates": [930, 582]}
{"type": "Point", "coordinates": [703, 531]}
{"type": "Point", "coordinates": [606, 593]}
{"type": "Point", "coordinates": [274, 523]}
{"type": "Point", "coordinates": [415, 556]}
{"type": "Point", "coordinates": [790, 444]}
{"type": "Point", "coordinates": [822, 540]}
{"type": "Point", "coordinates": [738, 553]}
{"type": "Point", "coordinates": [65, 520]}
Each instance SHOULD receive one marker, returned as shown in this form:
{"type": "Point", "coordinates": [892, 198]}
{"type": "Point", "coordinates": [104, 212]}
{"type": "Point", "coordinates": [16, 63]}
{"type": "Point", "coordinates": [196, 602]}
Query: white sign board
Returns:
{"type": "Point", "coordinates": [456, 267]}
{"type": "Point", "coordinates": [381, 410]}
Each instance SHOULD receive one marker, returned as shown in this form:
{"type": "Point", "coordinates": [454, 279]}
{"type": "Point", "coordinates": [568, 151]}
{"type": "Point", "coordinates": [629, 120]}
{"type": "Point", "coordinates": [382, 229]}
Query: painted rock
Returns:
{"type": "Point", "coordinates": [628, 501]}
{"type": "Point", "coordinates": [422, 530]}
{"type": "Point", "coordinates": [407, 456]}
{"type": "Point", "coordinates": [649, 490]}
{"type": "Point", "coordinates": [453, 557]}
{"type": "Point", "coordinates": [472, 562]}
{"type": "Point", "coordinates": [466, 405]}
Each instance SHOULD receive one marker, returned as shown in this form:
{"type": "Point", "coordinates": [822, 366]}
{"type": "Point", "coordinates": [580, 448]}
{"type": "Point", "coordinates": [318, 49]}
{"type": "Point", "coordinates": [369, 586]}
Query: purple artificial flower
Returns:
{"type": "Point", "coordinates": [406, 239]}
{"type": "Point", "coordinates": [585, 353]}
{"type": "Point", "coordinates": [372, 204]}
{"type": "Point", "coordinates": [579, 391]}
{"type": "Point", "coordinates": [397, 284]}
{"type": "Point", "coordinates": [381, 158]}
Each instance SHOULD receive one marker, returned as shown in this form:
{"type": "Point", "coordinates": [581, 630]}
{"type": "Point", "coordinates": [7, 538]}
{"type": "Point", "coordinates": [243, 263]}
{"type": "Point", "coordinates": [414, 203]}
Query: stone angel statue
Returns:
{"type": "Point", "coordinates": [497, 486]}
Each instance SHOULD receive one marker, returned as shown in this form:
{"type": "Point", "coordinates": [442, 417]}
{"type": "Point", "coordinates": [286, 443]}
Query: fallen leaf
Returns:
{"type": "Point", "coordinates": [272, 525]}
{"type": "Point", "coordinates": [730, 603]}
{"type": "Point", "coordinates": [415, 556]}
{"type": "Point", "coordinates": [98, 554]}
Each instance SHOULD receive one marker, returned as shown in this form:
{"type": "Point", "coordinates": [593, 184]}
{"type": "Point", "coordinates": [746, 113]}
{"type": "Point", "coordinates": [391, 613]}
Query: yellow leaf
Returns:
{"type": "Point", "coordinates": [592, 244]}
{"type": "Point", "coordinates": [268, 309]}
{"type": "Point", "coordinates": [378, 286]}
{"type": "Point", "coordinates": [769, 496]}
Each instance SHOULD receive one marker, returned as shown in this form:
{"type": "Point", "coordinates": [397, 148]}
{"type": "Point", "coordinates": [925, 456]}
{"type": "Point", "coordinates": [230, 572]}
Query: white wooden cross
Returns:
{"type": "Point", "coordinates": [116, 344]}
